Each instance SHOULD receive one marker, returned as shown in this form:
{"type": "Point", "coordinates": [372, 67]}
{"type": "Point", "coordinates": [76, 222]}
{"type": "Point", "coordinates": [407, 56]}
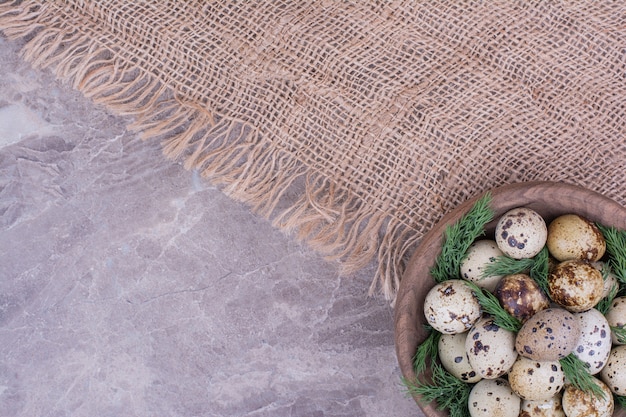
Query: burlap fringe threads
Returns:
{"type": "Point", "coordinates": [229, 152]}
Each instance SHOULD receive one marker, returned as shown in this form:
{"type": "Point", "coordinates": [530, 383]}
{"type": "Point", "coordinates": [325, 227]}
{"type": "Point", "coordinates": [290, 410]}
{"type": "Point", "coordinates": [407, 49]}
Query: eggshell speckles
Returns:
{"type": "Point", "coordinates": [451, 307]}
{"type": "Point", "coordinates": [520, 296]}
{"type": "Point", "coordinates": [594, 343]}
{"type": "Point", "coordinates": [543, 408]}
{"type": "Point", "coordinates": [577, 403]}
{"type": "Point", "coordinates": [614, 373]}
{"type": "Point", "coordinates": [521, 233]}
{"type": "Point", "coordinates": [490, 349]}
{"type": "Point", "coordinates": [549, 335]}
{"type": "Point", "coordinates": [575, 285]}
{"type": "Point", "coordinates": [533, 380]}
{"type": "Point", "coordinates": [480, 254]}
{"type": "Point", "coordinates": [616, 317]}
{"type": "Point", "coordinates": [453, 357]}
{"type": "Point", "coordinates": [493, 398]}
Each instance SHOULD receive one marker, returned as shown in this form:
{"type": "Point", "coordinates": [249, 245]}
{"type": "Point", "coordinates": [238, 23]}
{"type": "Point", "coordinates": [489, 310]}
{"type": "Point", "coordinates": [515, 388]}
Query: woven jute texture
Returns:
{"type": "Point", "coordinates": [357, 125]}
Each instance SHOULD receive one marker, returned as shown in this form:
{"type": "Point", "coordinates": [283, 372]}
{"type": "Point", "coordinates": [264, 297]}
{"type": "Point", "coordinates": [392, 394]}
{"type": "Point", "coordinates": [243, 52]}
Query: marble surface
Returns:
{"type": "Point", "coordinates": [131, 287]}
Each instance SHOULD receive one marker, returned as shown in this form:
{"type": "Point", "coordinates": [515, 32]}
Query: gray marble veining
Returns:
{"type": "Point", "coordinates": [131, 287]}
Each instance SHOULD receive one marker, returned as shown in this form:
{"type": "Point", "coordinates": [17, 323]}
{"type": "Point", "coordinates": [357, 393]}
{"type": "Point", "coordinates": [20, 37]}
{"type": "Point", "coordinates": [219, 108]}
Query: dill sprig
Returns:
{"type": "Point", "coordinates": [616, 248]}
{"type": "Point", "coordinates": [540, 269]}
{"type": "Point", "coordinates": [428, 350]}
{"type": "Point", "coordinates": [491, 306]}
{"type": "Point", "coordinates": [620, 400]}
{"type": "Point", "coordinates": [505, 265]}
{"type": "Point", "coordinates": [620, 333]}
{"type": "Point", "coordinates": [577, 372]}
{"type": "Point", "coordinates": [450, 392]}
{"type": "Point", "coordinates": [459, 237]}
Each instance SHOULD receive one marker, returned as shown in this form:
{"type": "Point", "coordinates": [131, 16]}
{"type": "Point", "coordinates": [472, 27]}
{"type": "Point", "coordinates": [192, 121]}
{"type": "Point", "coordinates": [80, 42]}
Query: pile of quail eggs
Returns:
{"type": "Point", "coordinates": [519, 373]}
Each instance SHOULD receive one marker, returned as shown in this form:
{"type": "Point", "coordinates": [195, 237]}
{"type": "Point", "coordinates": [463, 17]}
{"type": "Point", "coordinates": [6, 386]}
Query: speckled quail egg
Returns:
{"type": "Point", "coordinates": [493, 397]}
{"type": "Point", "coordinates": [594, 343]}
{"type": "Point", "coordinates": [490, 348]}
{"type": "Point", "coordinates": [520, 296]}
{"type": "Point", "coordinates": [521, 233]}
{"type": "Point", "coordinates": [616, 317]}
{"type": "Point", "coordinates": [578, 403]}
{"type": "Point", "coordinates": [534, 380]}
{"type": "Point", "coordinates": [543, 408]}
{"type": "Point", "coordinates": [614, 373]}
{"type": "Point", "coordinates": [575, 285]}
{"type": "Point", "coordinates": [549, 335]}
{"type": "Point", "coordinates": [451, 349]}
{"type": "Point", "coordinates": [571, 236]}
{"type": "Point", "coordinates": [451, 307]}
{"type": "Point", "coordinates": [480, 254]}
{"type": "Point", "coordinates": [610, 279]}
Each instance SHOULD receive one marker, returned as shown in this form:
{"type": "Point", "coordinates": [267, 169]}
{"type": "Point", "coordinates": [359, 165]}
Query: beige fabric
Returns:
{"type": "Point", "coordinates": [358, 124]}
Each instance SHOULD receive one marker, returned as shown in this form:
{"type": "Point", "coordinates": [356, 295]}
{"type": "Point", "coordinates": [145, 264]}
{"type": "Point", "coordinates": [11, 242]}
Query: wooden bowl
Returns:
{"type": "Point", "coordinates": [549, 199]}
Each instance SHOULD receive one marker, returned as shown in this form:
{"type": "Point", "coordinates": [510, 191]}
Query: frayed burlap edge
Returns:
{"type": "Point", "coordinates": [231, 153]}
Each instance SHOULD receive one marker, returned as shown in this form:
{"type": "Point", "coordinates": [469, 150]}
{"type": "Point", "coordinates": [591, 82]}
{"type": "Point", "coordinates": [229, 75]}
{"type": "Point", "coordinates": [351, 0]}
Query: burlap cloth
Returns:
{"type": "Point", "coordinates": [358, 125]}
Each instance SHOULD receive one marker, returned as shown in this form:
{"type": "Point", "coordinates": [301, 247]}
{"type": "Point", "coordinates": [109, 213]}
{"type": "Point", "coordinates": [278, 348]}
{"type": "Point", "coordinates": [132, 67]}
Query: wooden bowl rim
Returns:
{"type": "Point", "coordinates": [547, 197]}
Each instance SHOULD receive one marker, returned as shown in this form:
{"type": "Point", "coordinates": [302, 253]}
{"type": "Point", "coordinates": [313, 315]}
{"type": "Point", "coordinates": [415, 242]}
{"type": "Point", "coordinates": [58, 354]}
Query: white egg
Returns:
{"type": "Point", "coordinates": [594, 341]}
{"type": "Point", "coordinates": [451, 307]}
{"type": "Point", "coordinates": [453, 357]}
{"type": "Point", "coordinates": [480, 254]}
{"type": "Point", "coordinates": [521, 233]}
{"type": "Point", "coordinates": [614, 373]}
{"type": "Point", "coordinates": [534, 380]}
{"type": "Point", "coordinates": [490, 348]}
{"type": "Point", "coordinates": [493, 397]}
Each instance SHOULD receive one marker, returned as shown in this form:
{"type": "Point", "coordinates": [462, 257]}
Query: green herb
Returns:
{"type": "Point", "coordinates": [620, 400]}
{"type": "Point", "coordinates": [450, 392]}
{"type": "Point", "coordinates": [620, 333]}
{"type": "Point", "coordinates": [491, 305]}
{"type": "Point", "coordinates": [604, 305]}
{"type": "Point", "coordinates": [428, 350]}
{"type": "Point", "coordinates": [459, 237]}
{"type": "Point", "coordinates": [616, 248]}
{"type": "Point", "coordinates": [504, 265]}
{"type": "Point", "coordinates": [540, 269]}
{"type": "Point", "coordinates": [577, 372]}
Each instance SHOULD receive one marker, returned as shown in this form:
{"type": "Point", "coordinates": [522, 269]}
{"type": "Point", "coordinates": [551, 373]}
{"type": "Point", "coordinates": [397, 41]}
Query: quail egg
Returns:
{"type": "Point", "coordinates": [549, 335]}
{"type": "Point", "coordinates": [534, 380]}
{"type": "Point", "coordinates": [493, 397]}
{"type": "Point", "coordinates": [571, 236]}
{"type": "Point", "coordinates": [543, 408]}
{"type": "Point", "coordinates": [490, 348]}
{"type": "Point", "coordinates": [520, 296]}
{"type": "Point", "coordinates": [594, 342]}
{"type": "Point", "coordinates": [451, 307]}
{"type": "Point", "coordinates": [616, 317]}
{"type": "Point", "coordinates": [480, 254]}
{"type": "Point", "coordinates": [575, 285]}
{"type": "Point", "coordinates": [578, 403]}
{"type": "Point", "coordinates": [521, 233]}
{"type": "Point", "coordinates": [614, 373]}
{"type": "Point", "coordinates": [451, 349]}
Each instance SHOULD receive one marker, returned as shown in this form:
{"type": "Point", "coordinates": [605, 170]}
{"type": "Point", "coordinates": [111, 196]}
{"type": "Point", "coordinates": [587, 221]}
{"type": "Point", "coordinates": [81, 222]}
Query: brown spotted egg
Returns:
{"type": "Point", "coordinates": [493, 397]}
{"type": "Point", "coordinates": [594, 343]}
{"type": "Point", "coordinates": [571, 236]}
{"type": "Point", "coordinates": [534, 380]}
{"type": "Point", "coordinates": [480, 254]}
{"type": "Point", "coordinates": [543, 408]}
{"type": "Point", "coordinates": [451, 307]}
{"type": "Point", "coordinates": [549, 335]}
{"type": "Point", "coordinates": [490, 349]}
{"type": "Point", "coordinates": [575, 285]}
{"type": "Point", "coordinates": [520, 296]}
{"type": "Point", "coordinates": [616, 316]}
{"type": "Point", "coordinates": [521, 233]}
{"type": "Point", "coordinates": [451, 349]}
